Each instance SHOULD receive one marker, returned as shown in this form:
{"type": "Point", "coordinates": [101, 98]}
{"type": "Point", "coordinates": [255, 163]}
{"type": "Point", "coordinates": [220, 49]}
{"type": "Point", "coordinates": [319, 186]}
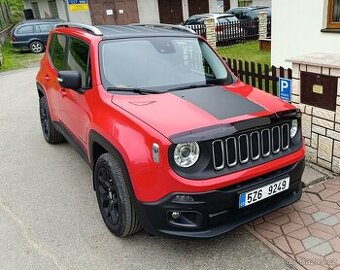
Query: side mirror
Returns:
{"type": "Point", "coordinates": [70, 79]}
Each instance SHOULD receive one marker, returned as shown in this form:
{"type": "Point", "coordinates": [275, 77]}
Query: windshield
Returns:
{"type": "Point", "coordinates": [160, 63]}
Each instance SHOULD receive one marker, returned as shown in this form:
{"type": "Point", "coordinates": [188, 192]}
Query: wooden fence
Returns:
{"type": "Point", "coordinates": [258, 75]}
{"type": "Point", "coordinates": [5, 19]}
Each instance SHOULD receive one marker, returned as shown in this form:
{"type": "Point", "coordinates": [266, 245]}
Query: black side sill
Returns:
{"type": "Point", "coordinates": [330, 30]}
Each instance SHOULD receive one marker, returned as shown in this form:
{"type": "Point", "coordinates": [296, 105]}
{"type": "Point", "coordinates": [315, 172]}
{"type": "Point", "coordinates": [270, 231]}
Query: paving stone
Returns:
{"type": "Point", "coordinates": [311, 242]}
{"type": "Point", "coordinates": [333, 260]}
{"type": "Point", "coordinates": [327, 192]}
{"type": "Point", "coordinates": [309, 210]}
{"type": "Point", "coordinates": [280, 220]}
{"type": "Point", "coordinates": [323, 228]}
{"type": "Point", "coordinates": [282, 244]}
{"type": "Point", "coordinates": [329, 205]}
{"type": "Point", "coordinates": [316, 188]}
{"type": "Point", "coordinates": [300, 234]}
{"type": "Point", "coordinates": [270, 227]}
{"type": "Point", "coordinates": [335, 243]}
{"type": "Point", "coordinates": [331, 221]}
{"type": "Point", "coordinates": [290, 227]}
{"type": "Point", "coordinates": [321, 234]}
{"type": "Point", "coordinates": [323, 249]}
{"type": "Point", "coordinates": [307, 219]}
{"type": "Point", "coordinates": [294, 217]}
{"type": "Point", "coordinates": [296, 245]}
{"type": "Point", "coordinates": [314, 198]}
{"type": "Point", "coordinates": [320, 215]}
{"type": "Point", "coordinates": [267, 234]}
{"type": "Point", "coordinates": [334, 198]}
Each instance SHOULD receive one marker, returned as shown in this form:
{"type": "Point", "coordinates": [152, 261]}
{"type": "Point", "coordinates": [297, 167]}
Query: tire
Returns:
{"type": "Point", "coordinates": [37, 47]}
{"type": "Point", "coordinates": [51, 135]}
{"type": "Point", "coordinates": [113, 198]}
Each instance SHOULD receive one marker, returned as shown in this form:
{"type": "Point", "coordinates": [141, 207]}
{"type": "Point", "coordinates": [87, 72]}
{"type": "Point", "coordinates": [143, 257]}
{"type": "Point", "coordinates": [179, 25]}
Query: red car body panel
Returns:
{"type": "Point", "coordinates": [133, 123]}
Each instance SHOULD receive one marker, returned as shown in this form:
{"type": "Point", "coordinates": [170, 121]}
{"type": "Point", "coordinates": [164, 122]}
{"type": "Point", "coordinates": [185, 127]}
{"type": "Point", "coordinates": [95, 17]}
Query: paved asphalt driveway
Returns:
{"type": "Point", "coordinates": [49, 217]}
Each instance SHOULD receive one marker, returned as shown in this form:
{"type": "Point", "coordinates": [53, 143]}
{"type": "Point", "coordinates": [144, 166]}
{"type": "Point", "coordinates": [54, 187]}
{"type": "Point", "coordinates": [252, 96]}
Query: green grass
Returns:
{"type": "Point", "coordinates": [16, 59]}
{"type": "Point", "coordinates": [248, 51]}
{"type": "Point", "coordinates": [16, 7]}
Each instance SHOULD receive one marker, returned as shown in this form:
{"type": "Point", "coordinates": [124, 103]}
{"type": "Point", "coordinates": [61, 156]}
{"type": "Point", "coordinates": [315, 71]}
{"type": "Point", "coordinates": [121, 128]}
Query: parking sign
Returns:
{"type": "Point", "coordinates": [285, 89]}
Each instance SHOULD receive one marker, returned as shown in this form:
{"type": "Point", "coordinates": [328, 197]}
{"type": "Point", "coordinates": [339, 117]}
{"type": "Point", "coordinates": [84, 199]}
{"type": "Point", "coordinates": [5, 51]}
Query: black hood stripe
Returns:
{"type": "Point", "coordinates": [220, 103]}
{"type": "Point", "coordinates": [224, 130]}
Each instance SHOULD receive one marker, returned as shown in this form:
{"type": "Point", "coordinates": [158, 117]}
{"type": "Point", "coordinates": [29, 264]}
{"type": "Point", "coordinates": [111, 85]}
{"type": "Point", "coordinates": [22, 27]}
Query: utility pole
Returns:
{"type": "Point", "coordinates": [66, 10]}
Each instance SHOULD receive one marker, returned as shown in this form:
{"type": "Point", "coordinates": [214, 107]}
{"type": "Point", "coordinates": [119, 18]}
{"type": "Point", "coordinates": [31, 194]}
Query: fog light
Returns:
{"type": "Point", "coordinates": [175, 215]}
{"type": "Point", "coordinates": [183, 198]}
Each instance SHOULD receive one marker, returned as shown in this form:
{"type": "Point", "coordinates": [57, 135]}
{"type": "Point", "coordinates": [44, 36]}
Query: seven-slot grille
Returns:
{"type": "Point", "coordinates": [243, 148]}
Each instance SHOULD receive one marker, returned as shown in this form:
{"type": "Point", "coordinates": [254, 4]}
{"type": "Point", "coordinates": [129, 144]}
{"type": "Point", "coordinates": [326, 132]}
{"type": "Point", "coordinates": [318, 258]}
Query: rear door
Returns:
{"type": "Point", "coordinates": [56, 55]}
{"type": "Point", "coordinates": [42, 31]}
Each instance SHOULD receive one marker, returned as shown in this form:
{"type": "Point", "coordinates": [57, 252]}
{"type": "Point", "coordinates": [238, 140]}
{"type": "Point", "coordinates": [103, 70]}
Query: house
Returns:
{"type": "Point", "coordinates": [302, 27]}
{"type": "Point", "coordinates": [123, 11]}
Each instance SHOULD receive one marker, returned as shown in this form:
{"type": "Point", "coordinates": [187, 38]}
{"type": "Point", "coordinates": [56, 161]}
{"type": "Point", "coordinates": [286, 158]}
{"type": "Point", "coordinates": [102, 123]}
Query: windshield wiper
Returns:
{"type": "Point", "coordinates": [190, 86]}
{"type": "Point", "coordinates": [141, 91]}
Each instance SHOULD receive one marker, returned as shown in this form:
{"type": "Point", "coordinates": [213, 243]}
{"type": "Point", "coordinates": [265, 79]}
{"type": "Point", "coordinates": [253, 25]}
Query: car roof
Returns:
{"type": "Point", "coordinates": [38, 21]}
{"type": "Point", "coordinates": [249, 8]}
{"type": "Point", "coordinates": [134, 30]}
{"type": "Point", "coordinates": [214, 15]}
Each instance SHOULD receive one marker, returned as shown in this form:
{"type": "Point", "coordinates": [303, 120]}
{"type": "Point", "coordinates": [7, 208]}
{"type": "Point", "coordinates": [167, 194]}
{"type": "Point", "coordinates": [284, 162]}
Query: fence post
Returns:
{"type": "Point", "coordinates": [263, 17]}
{"type": "Point", "coordinates": [211, 32]}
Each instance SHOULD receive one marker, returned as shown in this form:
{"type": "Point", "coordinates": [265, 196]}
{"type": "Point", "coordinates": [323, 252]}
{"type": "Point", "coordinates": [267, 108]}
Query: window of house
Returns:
{"type": "Point", "coordinates": [333, 14]}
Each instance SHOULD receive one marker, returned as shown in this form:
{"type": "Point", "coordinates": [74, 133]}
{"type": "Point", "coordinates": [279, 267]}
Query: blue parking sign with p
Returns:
{"type": "Point", "coordinates": [285, 89]}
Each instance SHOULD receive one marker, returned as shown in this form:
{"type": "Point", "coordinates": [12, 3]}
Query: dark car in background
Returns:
{"type": "Point", "coordinates": [227, 27]}
{"type": "Point", "coordinates": [33, 34]}
{"type": "Point", "coordinates": [251, 12]}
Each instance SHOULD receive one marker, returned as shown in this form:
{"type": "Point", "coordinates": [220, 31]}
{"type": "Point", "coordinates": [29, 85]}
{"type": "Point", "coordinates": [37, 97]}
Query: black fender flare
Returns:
{"type": "Point", "coordinates": [95, 137]}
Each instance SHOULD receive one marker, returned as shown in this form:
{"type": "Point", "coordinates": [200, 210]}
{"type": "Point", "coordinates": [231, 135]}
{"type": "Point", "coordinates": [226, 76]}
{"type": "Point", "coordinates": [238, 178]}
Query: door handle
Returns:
{"type": "Point", "coordinates": [47, 78]}
{"type": "Point", "coordinates": [63, 92]}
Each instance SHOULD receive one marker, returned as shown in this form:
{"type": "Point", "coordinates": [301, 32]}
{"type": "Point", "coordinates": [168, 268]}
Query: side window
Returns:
{"type": "Point", "coordinates": [78, 60]}
{"type": "Point", "coordinates": [45, 28]}
{"type": "Point", "coordinates": [57, 50]}
{"type": "Point", "coordinates": [27, 29]}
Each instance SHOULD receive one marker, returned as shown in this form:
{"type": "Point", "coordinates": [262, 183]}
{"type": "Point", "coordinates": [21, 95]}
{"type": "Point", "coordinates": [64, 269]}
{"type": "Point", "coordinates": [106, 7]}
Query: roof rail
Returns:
{"type": "Point", "coordinates": [94, 30]}
{"type": "Point", "coordinates": [167, 26]}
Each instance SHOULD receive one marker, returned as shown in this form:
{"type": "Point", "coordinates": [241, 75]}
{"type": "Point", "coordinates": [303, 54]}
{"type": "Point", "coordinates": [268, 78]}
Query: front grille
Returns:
{"type": "Point", "coordinates": [246, 147]}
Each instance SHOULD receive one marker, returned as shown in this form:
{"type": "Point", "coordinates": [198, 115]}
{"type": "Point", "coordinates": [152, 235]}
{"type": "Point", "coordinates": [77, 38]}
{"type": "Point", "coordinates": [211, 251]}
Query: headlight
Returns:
{"type": "Point", "coordinates": [294, 128]}
{"type": "Point", "coordinates": [186, 154]}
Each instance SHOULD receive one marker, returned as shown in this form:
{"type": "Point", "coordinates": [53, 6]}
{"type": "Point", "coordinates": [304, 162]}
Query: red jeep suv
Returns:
{"type": "Point", "coordinates": [178, 145]}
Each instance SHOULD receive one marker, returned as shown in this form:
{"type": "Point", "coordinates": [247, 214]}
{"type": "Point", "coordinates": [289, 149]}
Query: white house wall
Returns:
{"type": "Point", "coordinates": [267, 3]}
{"type": "Point", "coordinates": [216, 6]}
{"type": "Point", "coordinates": [296, 30]}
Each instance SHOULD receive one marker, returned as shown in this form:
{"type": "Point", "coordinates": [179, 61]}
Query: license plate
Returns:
{"type": "Point", "coordinates": [264, 192]}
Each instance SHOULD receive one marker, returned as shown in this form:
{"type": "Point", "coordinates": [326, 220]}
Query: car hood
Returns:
{"type": "Point", "coordinates": [186, 111]}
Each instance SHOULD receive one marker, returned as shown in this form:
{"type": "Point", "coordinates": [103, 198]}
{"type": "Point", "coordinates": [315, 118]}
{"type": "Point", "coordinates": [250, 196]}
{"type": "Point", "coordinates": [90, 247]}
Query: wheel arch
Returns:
{"type": "Point", "coordinates": [41, 90]}
{"type": "Point", "coordinates": [98, 145]}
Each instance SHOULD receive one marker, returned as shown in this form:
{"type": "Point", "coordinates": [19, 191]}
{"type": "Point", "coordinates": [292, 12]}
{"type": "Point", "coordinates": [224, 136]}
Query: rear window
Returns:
{"type": "Point", "coordinates": [57, 50]}
{"type": "Point", "coordinates": [26, 29]}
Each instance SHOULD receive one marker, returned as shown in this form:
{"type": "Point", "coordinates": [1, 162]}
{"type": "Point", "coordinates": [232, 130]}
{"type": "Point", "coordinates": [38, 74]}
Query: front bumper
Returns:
{"type": "Point", "coordinates": [216, 212]}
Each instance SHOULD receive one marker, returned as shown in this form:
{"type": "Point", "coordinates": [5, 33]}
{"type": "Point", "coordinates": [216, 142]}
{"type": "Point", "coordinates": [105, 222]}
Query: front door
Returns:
{"type": "Point", "coordinates": [74, 106]}
{"type": "Point", "coordinates": [198, 7]}
{"type": "Point", "coordinates": [170, 11]}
